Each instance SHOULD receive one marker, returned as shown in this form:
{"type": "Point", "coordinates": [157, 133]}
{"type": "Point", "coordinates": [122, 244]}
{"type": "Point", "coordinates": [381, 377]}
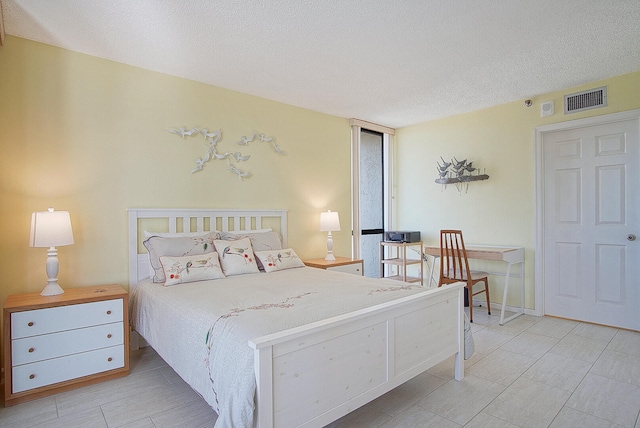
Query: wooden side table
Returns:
{"type": "Point", "coordinates": [57, 343]}
{"type": "Point", "coordinates": [340, 264]}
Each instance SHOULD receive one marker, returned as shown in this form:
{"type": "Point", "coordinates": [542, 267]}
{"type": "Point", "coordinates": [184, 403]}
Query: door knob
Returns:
{"type": "Point", "coordinates": [631, 237]}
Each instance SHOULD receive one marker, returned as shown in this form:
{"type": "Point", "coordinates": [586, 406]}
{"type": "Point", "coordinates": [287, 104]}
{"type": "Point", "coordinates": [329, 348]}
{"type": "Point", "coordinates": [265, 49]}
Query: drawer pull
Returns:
{"type": "Point", "coordinates": [31, 350]}
{"type": "Point", "coordinates": [31, 323]}
{"type": "Point", "coordinates": [109, 312]}
{"type": "Point", "coordinates": [109, 336]}
{"type": "Point", "coordinates": [109, 359]}
{"type": "Point", "coordinates": [32, 376]}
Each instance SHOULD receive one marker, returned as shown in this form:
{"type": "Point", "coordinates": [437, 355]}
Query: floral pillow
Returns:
{"type": "Point", "coordinates": [159, 246]}
{"type": "Point", "coordinates": [274, 260]}
{"type": "Point", "coordinates": [236, 257]}
{"type": "Point", "coordinates": [261, 240]}
{"type": "Point", "coordinates": [179, 270]}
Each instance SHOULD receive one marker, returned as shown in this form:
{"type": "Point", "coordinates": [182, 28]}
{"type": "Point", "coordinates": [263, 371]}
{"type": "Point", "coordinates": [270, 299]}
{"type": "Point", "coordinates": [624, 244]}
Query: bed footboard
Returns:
{"type": "Point", "coordinates": [314, 374]}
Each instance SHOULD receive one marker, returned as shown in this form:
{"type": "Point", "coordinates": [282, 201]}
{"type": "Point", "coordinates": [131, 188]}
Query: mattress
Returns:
{"type": "Point", "coordinates": [202, 329]}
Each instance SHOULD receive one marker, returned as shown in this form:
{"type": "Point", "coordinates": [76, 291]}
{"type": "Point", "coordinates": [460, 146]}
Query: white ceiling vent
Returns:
{"type": "Point", "coordinates": [593, 98]}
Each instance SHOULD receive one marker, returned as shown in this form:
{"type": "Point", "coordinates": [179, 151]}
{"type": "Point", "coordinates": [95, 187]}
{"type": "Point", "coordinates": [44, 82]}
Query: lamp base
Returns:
{"type": "Point", "coordinates": [330, 257]}
{"type": "Point", "coordinates": [52, 289]}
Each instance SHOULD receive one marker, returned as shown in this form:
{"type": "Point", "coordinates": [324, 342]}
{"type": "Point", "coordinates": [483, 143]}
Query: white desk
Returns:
{"type": "Point", "coordinates": [510, 255]}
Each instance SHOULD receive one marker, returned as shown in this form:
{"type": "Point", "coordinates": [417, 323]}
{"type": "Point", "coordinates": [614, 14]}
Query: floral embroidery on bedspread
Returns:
{"type": "Point", "coordinates": [285, 304]}
{"type": "Point", "coordinates": [386, 289]}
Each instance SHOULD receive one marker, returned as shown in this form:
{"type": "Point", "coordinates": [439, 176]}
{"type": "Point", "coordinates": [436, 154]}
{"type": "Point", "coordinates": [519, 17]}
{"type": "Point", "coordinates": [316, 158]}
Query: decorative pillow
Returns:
{"type": "Point", "coordinates": [178, 270]}
{"type": "Point", "coordinates": [175, 247]}
{"type": "Point", "coordinates": [274, 260]}
{"type": "Point", "coordinates": [260, 241]}
{"type": "Point", "coordinates": [236, 256]}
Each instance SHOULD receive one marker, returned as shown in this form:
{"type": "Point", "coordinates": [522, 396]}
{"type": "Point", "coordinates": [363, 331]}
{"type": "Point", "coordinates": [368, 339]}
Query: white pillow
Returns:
{"type": "Point", "coordinates": [274, 260]}
{"type": "Point", "coordinates": [159, 246]}
{"type": "Point", "coordinates": [236, 256]}
{"type": "Point", "coordinates": [180, 270]}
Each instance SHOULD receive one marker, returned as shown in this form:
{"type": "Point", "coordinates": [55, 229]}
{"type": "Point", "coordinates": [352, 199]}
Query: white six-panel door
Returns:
{"type": "Point", "coordinates": [591, 200]}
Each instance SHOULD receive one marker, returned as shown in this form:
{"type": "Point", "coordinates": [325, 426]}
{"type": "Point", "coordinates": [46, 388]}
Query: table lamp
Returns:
{"type": "Point", "coordinates": [51, 229]}
{"type": "Point", "coordinates": [329, 222]}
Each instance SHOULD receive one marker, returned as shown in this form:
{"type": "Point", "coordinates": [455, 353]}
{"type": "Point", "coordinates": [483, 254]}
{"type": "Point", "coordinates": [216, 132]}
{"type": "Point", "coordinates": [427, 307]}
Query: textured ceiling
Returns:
{"type": "Point", "coordinates": [391, 62]}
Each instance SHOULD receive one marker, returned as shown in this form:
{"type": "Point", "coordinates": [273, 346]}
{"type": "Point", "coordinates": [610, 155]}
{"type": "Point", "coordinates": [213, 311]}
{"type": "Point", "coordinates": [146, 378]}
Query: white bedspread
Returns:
{"type": "Point", "coordinates": [202, 329]}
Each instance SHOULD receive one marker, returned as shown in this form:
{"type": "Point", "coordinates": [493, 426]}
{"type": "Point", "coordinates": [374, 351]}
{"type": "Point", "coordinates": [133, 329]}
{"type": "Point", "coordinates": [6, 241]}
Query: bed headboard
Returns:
{"type": "Point", "coordinates": [194, 220]}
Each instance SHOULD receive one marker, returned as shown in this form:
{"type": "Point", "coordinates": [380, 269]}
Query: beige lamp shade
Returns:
{"type": "Point", "coordinates": [50, 229]}
{"type": "Point", "coordinates": [329, 221]}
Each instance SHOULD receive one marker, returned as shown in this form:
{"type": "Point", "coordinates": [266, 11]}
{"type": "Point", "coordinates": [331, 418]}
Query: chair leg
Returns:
{"type": "Point", "coordinates": [469, 289]}
{"type": "Point", "coordinates": [486, 289]}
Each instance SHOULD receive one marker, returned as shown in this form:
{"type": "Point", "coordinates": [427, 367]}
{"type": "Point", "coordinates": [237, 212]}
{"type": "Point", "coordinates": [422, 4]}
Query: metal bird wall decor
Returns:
{"type": "Point", "coordinates": [213, 138]}
{"type": "Point", "coordinates": [459, 173]}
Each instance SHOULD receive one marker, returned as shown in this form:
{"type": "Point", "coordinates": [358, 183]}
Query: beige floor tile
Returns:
{"type": "Point", "coordinates": [417, 417]}
{"type": "Point", "coordinates": [29, 413]}
{"type": "Point", "coordinates": [516, 326]}
{"type": "Point", "coordinates": [445, 369]}
{"type": "Point", "coordinates": [486, 341]}
{"type": "Point", "coordinates": [618, 366]}
{"type": "Point", "coordinates": [406, 395]}
{"type": "Point", "coordinates": [85, 418]}
{"type": "Point", "coordinates": [607, 399]}
{"type": "Point", "coordinates": [364, 417]}
{"type": "Point", "coordinates": [480, 316]}
{"type": "Point", "coordinates": [193, 414]}
{"type": "Point", "coordinates": [553, 327]}
{"type": "Point", "coordinates": [558, 371]}
{"type": "Point", "coordinates": [145, 359]}
{"type": "Point", "coordinates": [501, 366]}
{"type": "Point", "coordinates": [627, 342]}
{"type": "Point", "coordinates": [528, 404]}
{"type": "Point", "coordinates": [484, 420]}
{"type": "Point", "coordinates": [570, 418]}
{"type": "Point", "coordinates": [106, 392]}
{"type": "Point", "coordinates": [149, 402]}
{"type": "Point", "coordinates": [461, 401]}
{"type": "Point", "coordinates": [593, 331]}
{"type": "Point", "coordinates": [530, 344]}
{"type": "Point", "coordinates": [141, 423]}
{"type": "Point", "coordinates": [579, 347]}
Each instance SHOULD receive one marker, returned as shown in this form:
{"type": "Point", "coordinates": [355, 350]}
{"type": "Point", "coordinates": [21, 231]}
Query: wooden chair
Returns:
{"type": "Point", "coordinates": [454, 267]}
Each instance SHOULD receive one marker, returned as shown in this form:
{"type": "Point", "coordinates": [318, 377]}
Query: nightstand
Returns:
{"type": "Point", "coordinates": [57, 343]}
{"type": "Point", "coordinates": [340, 264]}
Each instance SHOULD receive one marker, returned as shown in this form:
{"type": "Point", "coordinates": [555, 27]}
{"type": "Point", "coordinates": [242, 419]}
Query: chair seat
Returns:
{"type": "Point", "coordinates": [475, 274]}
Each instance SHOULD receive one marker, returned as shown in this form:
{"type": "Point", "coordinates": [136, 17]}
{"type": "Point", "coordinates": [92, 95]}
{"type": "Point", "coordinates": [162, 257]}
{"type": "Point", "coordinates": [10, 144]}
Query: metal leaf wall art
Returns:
{"type": "Point", "coordinates": [212, 139]}
{"type": "Point", "coordinates": [460, 173]}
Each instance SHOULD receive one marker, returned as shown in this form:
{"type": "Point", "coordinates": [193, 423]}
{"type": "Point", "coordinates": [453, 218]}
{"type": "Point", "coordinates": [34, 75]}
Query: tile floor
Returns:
{"type": "Point", "coordinates": [532, 372]}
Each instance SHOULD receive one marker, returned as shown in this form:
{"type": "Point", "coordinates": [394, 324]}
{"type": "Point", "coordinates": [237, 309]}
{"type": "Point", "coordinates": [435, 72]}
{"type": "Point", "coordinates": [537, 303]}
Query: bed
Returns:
{"type": "Point", "coordinates": [283, 348]}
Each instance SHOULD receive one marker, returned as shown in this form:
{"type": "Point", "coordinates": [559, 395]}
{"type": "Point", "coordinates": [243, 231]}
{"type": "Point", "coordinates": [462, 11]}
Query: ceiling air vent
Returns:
{"type": "Point", "coordinates": [580, 101]}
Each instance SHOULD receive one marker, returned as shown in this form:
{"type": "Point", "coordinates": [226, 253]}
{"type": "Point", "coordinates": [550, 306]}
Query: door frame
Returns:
{"type": "Point", "coordinates": [540, 131]}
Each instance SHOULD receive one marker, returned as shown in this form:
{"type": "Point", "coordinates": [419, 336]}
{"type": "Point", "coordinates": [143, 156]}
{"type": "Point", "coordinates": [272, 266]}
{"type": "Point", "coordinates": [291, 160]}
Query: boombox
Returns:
{"type": "Point", "coordinates": [402, 236]}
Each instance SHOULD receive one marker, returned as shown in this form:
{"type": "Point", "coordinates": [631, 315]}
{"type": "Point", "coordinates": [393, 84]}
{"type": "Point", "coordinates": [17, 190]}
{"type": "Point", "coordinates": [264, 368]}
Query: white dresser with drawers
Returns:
{"type": "Point", "coordinates": [56, 343]}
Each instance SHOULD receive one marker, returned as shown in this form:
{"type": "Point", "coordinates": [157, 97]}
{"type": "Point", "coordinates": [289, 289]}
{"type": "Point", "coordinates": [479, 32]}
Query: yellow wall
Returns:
{"type": "Point", "coordinates": [501, 210]}
{"type": "Point", "coordinates": [88, 135]}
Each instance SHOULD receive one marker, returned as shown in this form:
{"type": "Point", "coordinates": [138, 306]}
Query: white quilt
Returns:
{"type": "Point", "coordinates": [202, 329]}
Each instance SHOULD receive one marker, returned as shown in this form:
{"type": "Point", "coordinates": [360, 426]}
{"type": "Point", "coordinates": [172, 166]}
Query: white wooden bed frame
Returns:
{"type": "Point", "coordinates": [314, 374]}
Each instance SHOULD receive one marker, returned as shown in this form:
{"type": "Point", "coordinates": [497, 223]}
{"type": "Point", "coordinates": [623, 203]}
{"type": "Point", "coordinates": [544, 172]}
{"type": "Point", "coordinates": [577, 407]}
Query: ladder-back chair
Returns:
{"type": "Point", "coordinates": [454, 267]}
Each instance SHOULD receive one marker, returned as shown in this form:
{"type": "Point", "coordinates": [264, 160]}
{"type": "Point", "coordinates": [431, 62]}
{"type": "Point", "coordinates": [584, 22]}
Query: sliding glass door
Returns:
{"type": "Point", "coordinates": [371, 196]}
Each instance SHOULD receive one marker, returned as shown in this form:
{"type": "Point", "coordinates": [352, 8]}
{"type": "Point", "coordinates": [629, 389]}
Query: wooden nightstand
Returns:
{"type": "Point", "coordinates": [340, 264]}
{"type": "Point", "coordinates": [57, 343]}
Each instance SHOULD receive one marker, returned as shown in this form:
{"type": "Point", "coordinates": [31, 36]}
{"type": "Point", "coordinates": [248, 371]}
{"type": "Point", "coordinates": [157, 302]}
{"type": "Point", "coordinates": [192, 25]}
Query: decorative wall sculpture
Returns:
{"type": "Point", "coordinates": [212, 153]}
{"type": "Point", "coordinates": [459, 173]}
